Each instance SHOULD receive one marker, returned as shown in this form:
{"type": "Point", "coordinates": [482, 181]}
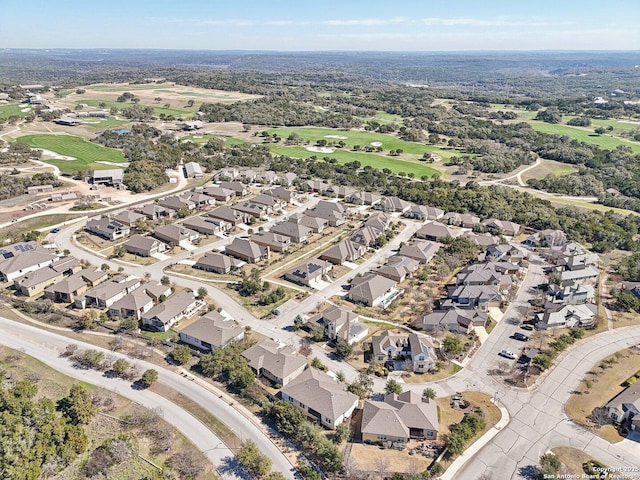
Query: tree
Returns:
{"type": "Point", "coordinates": [340, 376]}
{"type": "Point", "coordinates": [342, 433]}
{"type": "Point", "coordinates": [429, 393]}
{"type": "Point", "coordinates": [149, 377]}
{"type": "Point", "coordinates": [202, 293]}
{"type": "Point", "coordinates": [298, 322]}
{"type": "Point", "coordinates": [128, 324]}
{"type": "Point", "coordinates": [600, 131]}
{"type": "Point", "coordinates": [343, 349]}
{"type": "Point", "coordinates": [104, 267]}
{"type": "Point", "coordinates": [392, 386]}
{"type": "Point", "coordinates": [181, 354]}
{"type": "Point", "coordinates": [453, 345]}
{"type": "Point", "coordinates": [190, 103]}
{"type": "Point", "coordinates": [120, 367]}
{"type": "Point", "coordinates": [187, 463]}
{"type": "Point", "coordinates": [165, 280]}
{"type": "Point", "coordinates": [77, 405]}
{"type": "Point", "coordinates": [317, 363]}
{"type": "Point", "coordinates": [256, 463]}
{"type": "Point", "coordinates": [549, 466]}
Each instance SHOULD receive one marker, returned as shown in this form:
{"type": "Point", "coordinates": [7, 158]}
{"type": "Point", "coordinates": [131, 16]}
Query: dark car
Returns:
{"type": "Point", "coordinates": [520, 336]}
{"type": "Point", "coordinates": [55, 230]}
{"type": "Point", "coordinates": [275, 312]}
{"type": "Point", "coordinates": [527, 326]}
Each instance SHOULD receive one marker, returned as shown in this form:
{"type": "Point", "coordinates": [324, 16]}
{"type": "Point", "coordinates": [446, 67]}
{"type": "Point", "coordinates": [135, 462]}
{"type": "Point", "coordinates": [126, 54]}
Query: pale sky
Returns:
{"type": "Point", "coordinates": [293, 25]}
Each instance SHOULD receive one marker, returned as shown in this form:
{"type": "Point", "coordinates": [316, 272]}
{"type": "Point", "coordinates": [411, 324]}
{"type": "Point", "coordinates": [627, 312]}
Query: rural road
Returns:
{"type": "Point", "coordinates": [47, 347]}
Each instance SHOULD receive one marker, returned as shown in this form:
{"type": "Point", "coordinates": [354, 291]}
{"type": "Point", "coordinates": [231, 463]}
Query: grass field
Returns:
{"type": "Point", "coordinates": [86, 154]}
{"type": "Point", "coordinates": [395, 164]}
{"type": "Point", "coordinates": [204, 138]}
{"type": "Point", "coordinates": [186, 112]}
{"type": "Point", "coordinates": [585, 134]}
{"type": "Point", "coordinates": [12, 109]}
{"type": "Point", "coordinates": [356, 137]}
{"type": "Point", "coordinates": [548, 167]}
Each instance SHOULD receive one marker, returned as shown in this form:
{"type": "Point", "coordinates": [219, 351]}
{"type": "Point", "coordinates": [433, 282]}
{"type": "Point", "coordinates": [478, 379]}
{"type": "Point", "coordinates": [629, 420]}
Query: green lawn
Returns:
{"type": "Point", "coordinates": [395, 164]}
{"type": "Point", "coordinates": [204, 138]}
{"type": "Point", "coordinates": [186, 112]}
{"type": "Point", "coordinates": [10, 109]}
{"type": "Point", "coordinates": [86, 153]}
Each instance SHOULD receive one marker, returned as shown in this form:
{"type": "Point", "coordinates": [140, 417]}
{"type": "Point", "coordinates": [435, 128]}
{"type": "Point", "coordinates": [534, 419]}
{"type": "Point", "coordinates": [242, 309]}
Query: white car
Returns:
{"type": "Point", "coordinates": [508, 354]}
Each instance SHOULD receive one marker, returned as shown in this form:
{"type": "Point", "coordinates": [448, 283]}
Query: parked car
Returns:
{"type": "Point", "coordinates": [55, 230]}
{"type": "Point", "coordinates": [508, 354]}
{"type": "Point", "coordinates": [520, 336]}
{"type": "Point", "coordinates": [275, 312]}
{"type": "Point", "coordinates": [527, 326]}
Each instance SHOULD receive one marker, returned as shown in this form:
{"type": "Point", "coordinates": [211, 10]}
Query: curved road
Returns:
{"type": "Point", "coordinates": [47, 347]}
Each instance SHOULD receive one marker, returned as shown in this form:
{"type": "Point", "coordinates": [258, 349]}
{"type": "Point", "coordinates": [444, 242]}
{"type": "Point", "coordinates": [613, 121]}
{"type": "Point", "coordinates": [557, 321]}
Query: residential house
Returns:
{"type": "Point", "coordinates": [373, 290]}
{"type": "Point", "coordinates": [572, 294]}
{"type": "Point", "coordinates": [465, 220]}
{"type": "Point", "coordinates": [421, 212]}
{"type": "Point", "coordinates": [315, 186]}
{"type": "Point", "coordinates": [475, 296]}
{"type": "Point", "coordinates": [316, 224]}
{"type": "Point", "coordinates": [547, 238]}
{"type": "Point", "coordinates": [193, 170]}
{"type": "Point", "coordinates": [309, 273]}
{"type": "Point", "coordinates": [176, 235]}
{"type": "Point", "coordinates": [211, 331]}
{"type": "Point", "coordinates": [416, 349]}
{"type": "Point", "coordinates": [332, 212]}
{"type": "Point", "coordinates": [239, 188]}
{"type": "Point", "coordinates": [344, 251]}
{"type": "Point", "coordinates": [157, 291]}
{"type": "Point", "coordinates": [625, 407]}
{"type": "Point", "coordinates": [560, 316]}
{"type": "Point", "coordinates": [153, 211]}
{"type": "Point", "coordinates": [34, 283]}
{"type": "Point", "coordinates": [388, 346]}
{"type": "Point", "coordinates": [106, 228]}
{"type": "Point", "coordinates": [488, 273]}
{"type": "Point", "coordinates": [107, 293]}
{"type": "Point", "coordinates": [287, 179]}
{"type": "Point", "coordinates": [275, 242]}
{"type": "Point", "coordinates": [261, 212]}
{"type": "Point", "coordinates": [68, 289]}
{"type": "Point", "coordinates": [321, 397]}
{"type": "Point", "coordinates": [363, 198]}
{"type": "Point", "coordinates": [207, 225]}
{"type": "Point", "coordinates": [285, 196]}
{"type": "Point", "coordinates": [585, 276]}
{"type": "Point", "coordinates": [436, 232]}
{"type": "Point", "coordinates": [267, 177]}
{"type": "Point", "coordinates": [339, 324]}
{"type": "Point", "coordinates": [483, 240]}
{"type": "Point", "coordinates": [176, 307]}
{"type": "Point", "coordinates": [505, 252]}
{"type": "Point", "coordinates": [216, 262]}
{"type": "Point", "coordinates": [398, 268]}
{"type": "Point", "coordinates": [275, 362]}
{"type": "Point", "coordinates": [366, 236]}
{"type": "Point", "coordinates": [341, 191]}
{"type": "Point", "coordinates": [177, 202]}
{"type": "Point", "coordinates": [201, 199]}
{"type": "Point", "coordinates": [132, 305]}
{"type": "Point", "coordinates": [112, 176]}
{"type": "Point", "coordinates": [229, 215]}
{"type": "Point", "coordinates": [421, 352]}
{"type": "Point", "coordinates": [218, 193]}
{"type": "Point", "coordinates": [19, 259]}
{"type": "Point", "coordinates": [399, 418]}
{"type": "Point", "coordinates": [392, 204]}
{"type": "Point", "coordinates": [247, 250]}
{"type": "Point", "coordinates": [421, 251]}
{"type": "Point", "coordinates": [269, 201]}
{"type": "Point", "coordinates": [128, 218]}
{"type": "Point", "coordinates": [502, 227]}
{"type": "Point", "coordinates": [296, 232]}
{"type": "Point", "coordinates": [379, 220]}
{"type": "Point", "coordinates": [247, 175]}
{"type": "Point", "coordinates": [453, 320]}
{"type": "Point", "coordinates": [231, 173]}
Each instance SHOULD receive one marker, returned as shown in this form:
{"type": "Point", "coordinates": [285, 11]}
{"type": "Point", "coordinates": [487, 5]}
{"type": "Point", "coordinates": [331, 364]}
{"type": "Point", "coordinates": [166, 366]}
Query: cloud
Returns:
{"type": "Point", "coordinates": [365, 22]}
{"type": "Point", "coordinates": [497, 22]}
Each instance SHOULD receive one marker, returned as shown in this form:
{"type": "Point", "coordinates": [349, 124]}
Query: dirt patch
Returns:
{"type": "Point", "coordinates": [369, 458]}
{"type": "Point", "coordinates": [572, 459]}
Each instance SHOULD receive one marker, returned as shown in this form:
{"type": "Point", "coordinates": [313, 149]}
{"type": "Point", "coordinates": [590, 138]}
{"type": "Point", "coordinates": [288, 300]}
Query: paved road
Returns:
{"type": "Point", "coordinates": [47, 347]}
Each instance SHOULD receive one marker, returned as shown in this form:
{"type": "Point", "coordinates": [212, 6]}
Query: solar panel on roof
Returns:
{"type": "Point", "coordinates": [313, 267]}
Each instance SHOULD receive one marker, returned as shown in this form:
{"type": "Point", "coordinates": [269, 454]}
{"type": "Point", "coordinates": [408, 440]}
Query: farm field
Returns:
{"type": "Point", "coordinates": [10, 109]}
{"type": "Point", "coordinates": [87, 155]}
{"type": "Point", "coordinates": [395, 164]}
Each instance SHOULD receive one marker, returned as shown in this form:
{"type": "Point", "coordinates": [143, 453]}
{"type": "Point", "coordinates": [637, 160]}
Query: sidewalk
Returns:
{"type": "Point", "coordinates": [459, 462]}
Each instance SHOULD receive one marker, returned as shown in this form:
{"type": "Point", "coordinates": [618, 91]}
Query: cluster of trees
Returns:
{"type": "Point", "coordinates": [12, 185]}
{"type": "Point", "coordinates": [545, 358]}
{"type": "Point", "coordinates": [16, 153]}
{"type": "Point", "coordinates": [294, 424]}
{"type": "Point", "coordinates": [575, 185]}
{"type": "Point", "coordinates": [37, 436]}
{"type": "Point", "coordinates": [251, 285]}
{"type": "Point", "coordinates": [462, 432]}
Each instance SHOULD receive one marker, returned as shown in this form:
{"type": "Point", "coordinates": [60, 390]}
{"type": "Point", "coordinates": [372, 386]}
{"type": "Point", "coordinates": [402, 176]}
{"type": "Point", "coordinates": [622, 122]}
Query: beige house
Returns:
{"type": "Point", "coordinates": [211, 331]}
{"type": "Point", "coordinates": [278, 364]}
{"type": "Point", "coordinates": [321, 397]}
